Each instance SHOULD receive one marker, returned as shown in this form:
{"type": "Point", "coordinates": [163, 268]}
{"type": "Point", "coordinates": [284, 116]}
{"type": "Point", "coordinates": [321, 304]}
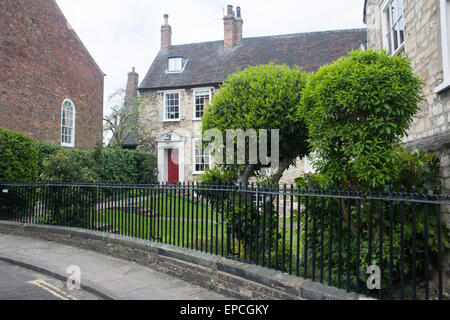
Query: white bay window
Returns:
{"type": "Point", "coordinates": [445, 41]}
{"type": "Point", "coordinates": [393, 23]}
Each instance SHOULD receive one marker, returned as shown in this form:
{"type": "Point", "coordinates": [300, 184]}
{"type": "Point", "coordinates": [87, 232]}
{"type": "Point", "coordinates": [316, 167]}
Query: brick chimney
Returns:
{"type": "Point", "coordinates": [230, 27]}
{"type": "Point", "coordinates": [132, 85]}
{"type": "Point", "coordinates": [233, 25]}
{"type": "Point", "coordinates": [239, 26]}
{"type": "Point", "coordinates": [166, 33]}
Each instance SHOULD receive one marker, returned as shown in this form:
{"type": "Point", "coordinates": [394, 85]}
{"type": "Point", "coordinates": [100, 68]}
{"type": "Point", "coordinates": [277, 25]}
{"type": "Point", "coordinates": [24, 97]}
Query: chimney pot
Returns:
{"type": "Point", "coordinates": [166, 19]}
{"type": "Point", "coordinates": [134, 69]}
{"type": "Point", "coordinates": [230, 10]}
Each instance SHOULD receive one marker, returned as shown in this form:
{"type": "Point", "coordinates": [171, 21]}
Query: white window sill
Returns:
{"type": "Point", "coordinates": [197, 173]}
{"type": "Point", "coordinates": [197, 119]}
{"type": "Point", "coordinates": [172, 120]}
{"type": "Point", "coordinates": [444, 86]}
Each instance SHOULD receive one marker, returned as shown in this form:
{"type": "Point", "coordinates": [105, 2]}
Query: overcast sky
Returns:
{"type": "Point", "coordinates": [121, 34]}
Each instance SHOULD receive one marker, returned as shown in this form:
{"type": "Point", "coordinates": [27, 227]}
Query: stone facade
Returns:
{"type": "Point", "coordinates": [199, 66]}
{"type": "Point", "coordinates": [42, 63]}
{"type": "Point", "coordinates": [187, 129]}
{"type": "Point", "coordinates": [431, 129]}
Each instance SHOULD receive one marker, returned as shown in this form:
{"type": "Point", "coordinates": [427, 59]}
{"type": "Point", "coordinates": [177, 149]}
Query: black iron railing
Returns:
{"type": "Point", "coordinates": [388, 244]}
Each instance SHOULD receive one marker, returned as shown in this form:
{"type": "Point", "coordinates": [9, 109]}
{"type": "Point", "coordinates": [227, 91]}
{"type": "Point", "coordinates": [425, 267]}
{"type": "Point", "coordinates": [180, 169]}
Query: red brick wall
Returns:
{"type": "Point", "coordinates": [43, 62]}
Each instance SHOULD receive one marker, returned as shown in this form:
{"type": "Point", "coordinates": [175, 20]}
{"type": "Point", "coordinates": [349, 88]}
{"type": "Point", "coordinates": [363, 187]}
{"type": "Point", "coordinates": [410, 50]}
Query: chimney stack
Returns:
{"type": "Point", "coordinates": [166, 33]}
{"type": "Point", "coordinates": [239, 26]}
{"type": "Point", "coordinates": [232, 28]}
{"type": "Point", "coordinates": [132, 85]}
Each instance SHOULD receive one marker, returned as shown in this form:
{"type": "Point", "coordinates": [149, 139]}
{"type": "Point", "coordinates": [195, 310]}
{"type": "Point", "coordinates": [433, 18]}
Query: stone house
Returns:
{"type": "Point", "coordinates": [51, 89]}
{"type": "Point", "coordinates": [183, 79]}
{"type": "Point", "coordinates": [421, 30]}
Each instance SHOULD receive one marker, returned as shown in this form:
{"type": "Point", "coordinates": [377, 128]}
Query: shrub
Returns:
{"type": "Point", "coordinates": [217, 176]}
{"type": "Point", "coordinates": [45, 151]}
{"type": "Point", "coordinates": [69, 166]}
{"type": "Point", "coordinates": [258, 98]}
{"type": "Point", "coordinates": [357, 110]}
{"type": "Point", "coordinates": [116, 165]}
{"type": "Point", "coordinates": [416, 169]}
{"type": "Point", "coordinates": [111, 165]}
{"type": "Point", "coordinates": [148, 168]}
{"type": "Point", "coordinates": [18, 157]}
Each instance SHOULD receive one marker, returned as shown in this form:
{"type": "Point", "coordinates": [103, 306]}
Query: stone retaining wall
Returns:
{"type": "Point", "coordinates": [231, 278]}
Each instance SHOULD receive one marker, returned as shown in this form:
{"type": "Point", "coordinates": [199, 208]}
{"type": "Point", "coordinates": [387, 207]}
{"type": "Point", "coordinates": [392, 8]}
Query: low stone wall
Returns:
{"type": "Point", "coordinates": [231, 278]}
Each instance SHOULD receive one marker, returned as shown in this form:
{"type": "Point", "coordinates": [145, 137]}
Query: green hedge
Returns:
{"type": "Point", "coordinates": [110, 165]}
{"type": "Point", "coordinates": [23, 159]}
{"type": "Point", "coordinates": [18, 157]}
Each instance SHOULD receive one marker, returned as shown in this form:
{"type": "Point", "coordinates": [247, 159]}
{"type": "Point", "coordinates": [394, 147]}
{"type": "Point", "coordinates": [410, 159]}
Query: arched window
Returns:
{"type": "Point", "coordinates": [68, 124]}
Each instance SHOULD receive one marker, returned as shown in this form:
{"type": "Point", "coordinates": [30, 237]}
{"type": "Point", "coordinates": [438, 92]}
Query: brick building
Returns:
{"type": "Point", "coordinates": [183, 79]}
{"type": "Point", "coordinates": [420, 29]}
{"type": "Point", "coordinates": [51, 89]}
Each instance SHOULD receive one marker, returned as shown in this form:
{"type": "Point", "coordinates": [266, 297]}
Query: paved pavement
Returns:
{"type": "Point", "coordinates": [18, 283]}
{"type": "Point", "coordinates": [100, 274]}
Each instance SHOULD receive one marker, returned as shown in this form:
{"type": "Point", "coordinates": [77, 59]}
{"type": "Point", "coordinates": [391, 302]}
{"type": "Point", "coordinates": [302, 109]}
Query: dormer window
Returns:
{"type": "Point", "coordinates": [175, 64]}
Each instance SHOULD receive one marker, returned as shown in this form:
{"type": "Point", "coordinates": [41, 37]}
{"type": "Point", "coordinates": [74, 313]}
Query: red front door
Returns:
{"type": "Point", "coordinates": [173, 169]}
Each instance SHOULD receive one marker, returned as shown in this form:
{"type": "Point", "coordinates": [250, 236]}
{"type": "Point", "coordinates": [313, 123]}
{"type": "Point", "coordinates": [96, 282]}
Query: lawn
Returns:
{"type": "Point", "coordinates": [185, 222]}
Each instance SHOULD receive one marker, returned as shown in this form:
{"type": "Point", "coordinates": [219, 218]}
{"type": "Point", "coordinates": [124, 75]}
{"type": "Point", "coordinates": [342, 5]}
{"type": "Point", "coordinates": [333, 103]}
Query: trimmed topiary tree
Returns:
{"type": "Point", "coordinates": [262, 97]}
{"type": "Point", "coordinates": [257, 98]}
{"type": "Point", "coordinates": [357, 110]}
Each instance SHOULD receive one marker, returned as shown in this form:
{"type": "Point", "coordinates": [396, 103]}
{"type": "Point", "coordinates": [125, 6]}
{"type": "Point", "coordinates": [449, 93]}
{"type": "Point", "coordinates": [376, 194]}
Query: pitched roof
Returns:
{"type": "Point", "coordinates": [209, 63]}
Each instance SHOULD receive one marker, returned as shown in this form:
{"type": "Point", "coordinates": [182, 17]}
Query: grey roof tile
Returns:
{"type": "Point", "coordinates": [209, 63]}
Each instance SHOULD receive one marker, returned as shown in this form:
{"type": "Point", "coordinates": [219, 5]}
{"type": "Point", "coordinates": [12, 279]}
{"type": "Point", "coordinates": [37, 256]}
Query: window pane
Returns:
{"type": "Point", "coordinates": [395, 37]}
{"type": "Point", "coordinates": [201, 159]}
{"type": "Point", "coordinates": [175, 64]}
{"type": "Point", "coordinates": [394, 11]}
{"type": "Point", "coordinates": [201, 102]}
{"type": "Point", "coordinates": [172, 106]}
{"type": "Point", "coordinates": [67, 123]}
{"type": "Point", "coordinates": [395, 25]}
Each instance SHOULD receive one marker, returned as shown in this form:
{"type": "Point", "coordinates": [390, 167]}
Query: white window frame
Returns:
{"type": "Point", "coordinates": [173, 62]}
{"type": "Point", "coordinates": [445, 41]}
{"type": "Point", "coordinates": [195, 91]}
{"type": "Point", "coordinates": [63, 126]}
{"type": "Point", "coordinates": [388, 41]}
{"type": "Point", "coordinates": [165, 119]}
{"type": "Point", "coordinates": [194, 158]}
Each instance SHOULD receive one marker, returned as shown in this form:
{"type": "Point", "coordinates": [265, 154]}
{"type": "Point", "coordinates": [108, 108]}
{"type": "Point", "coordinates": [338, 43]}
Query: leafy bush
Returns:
{"type": "Point", "coordinates": [70, 206]}
{"type": "Point", "coordinates": [126, 166]}
{"type": "Point", "coordinates": [18, 162]}
{"type": "Point", "coordinates": [148, 168]}
{"type": "Point", "coordinates": [111, 165]}
{"type": "Point", "coordinates": [218, 176]}
{"type": "Point", "coordinates": [18, 157]}
{"type": "Point", "coordinates": [415, 169]}
{"type": "Point", "coordinates": [69, 166]}
{"type": "Point", "coordinates": [258, 98]}
{"type": "Point", "coordinates": [357, 110]}
{"type": "Point", "coordinates": [45, 151]}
